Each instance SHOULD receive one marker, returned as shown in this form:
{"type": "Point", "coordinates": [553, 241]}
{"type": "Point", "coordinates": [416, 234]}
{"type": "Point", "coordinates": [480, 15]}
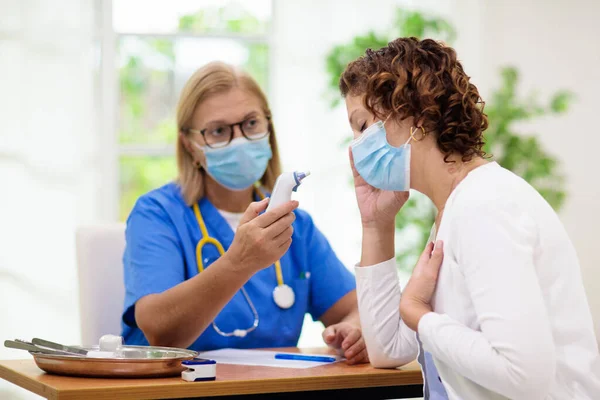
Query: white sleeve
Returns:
{"type": "Point", "coordinates": [390, 343]}
{"type": "Point", "coordinates": [513, 354]}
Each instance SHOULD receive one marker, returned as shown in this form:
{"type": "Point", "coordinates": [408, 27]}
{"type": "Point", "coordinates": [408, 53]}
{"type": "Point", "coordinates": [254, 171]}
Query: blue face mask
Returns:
{"type": "Point", "coordinates": [382, 165]}
{"type": "Point", "coordinates": [240, 164]}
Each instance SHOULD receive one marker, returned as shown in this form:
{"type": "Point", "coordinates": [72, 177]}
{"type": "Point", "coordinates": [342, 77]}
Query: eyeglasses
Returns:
{"type": "Point", "coordinates": [220, 135]}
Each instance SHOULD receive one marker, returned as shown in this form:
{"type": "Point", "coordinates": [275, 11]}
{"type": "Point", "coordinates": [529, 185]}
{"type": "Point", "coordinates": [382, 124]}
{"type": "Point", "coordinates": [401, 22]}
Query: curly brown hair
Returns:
{"type": "Point", "coordinates": [424, 80]}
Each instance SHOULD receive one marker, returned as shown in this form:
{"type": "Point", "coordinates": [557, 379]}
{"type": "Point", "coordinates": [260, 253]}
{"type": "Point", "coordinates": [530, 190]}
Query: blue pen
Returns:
{"type": "Point", "coordinates": [304, 357]}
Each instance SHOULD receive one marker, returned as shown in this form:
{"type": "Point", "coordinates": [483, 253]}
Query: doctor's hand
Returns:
{"type": "Point", "coordinates": [347, 339]}
{"type": "Point", "coordinates": [416, 296]}
{"type": "Point", "coordinates": [377, 207]}
{"type": "Point", "coordinates": [260, 240]}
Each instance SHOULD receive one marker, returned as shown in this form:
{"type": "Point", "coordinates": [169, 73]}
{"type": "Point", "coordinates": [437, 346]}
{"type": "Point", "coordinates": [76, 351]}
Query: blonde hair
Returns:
{"type": "Point", "coordinates": [214, 78]}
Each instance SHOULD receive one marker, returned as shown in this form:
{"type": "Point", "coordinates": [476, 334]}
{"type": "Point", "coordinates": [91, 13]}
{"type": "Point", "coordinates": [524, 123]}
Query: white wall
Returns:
{"type": "Point", "coordinates": [554, 44]}
{"type": "Point", "coordinates": [46, 167]}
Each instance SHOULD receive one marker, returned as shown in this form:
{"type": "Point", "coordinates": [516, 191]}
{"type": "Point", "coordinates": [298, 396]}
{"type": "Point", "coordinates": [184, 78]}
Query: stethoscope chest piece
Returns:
{"type": "Point", "coordinates": [284, 296]}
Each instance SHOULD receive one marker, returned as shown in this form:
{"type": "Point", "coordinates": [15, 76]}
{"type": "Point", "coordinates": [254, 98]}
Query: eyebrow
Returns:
{"type": "Point", "coordinates": [220, 121]}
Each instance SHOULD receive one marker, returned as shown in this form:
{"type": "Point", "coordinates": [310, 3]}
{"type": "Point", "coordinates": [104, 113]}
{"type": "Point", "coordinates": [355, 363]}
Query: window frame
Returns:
{"type": "Point", "coordinates": [107, 91]}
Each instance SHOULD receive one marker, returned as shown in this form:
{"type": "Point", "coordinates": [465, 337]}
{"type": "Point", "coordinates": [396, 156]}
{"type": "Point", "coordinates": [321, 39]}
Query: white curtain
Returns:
{"type": "Point", "coordinates": [47, 164]}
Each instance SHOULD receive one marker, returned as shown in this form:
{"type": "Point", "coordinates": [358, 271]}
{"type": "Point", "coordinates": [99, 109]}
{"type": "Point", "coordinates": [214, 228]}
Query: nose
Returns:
{"type": "Point", "coordinates": [237, 131]}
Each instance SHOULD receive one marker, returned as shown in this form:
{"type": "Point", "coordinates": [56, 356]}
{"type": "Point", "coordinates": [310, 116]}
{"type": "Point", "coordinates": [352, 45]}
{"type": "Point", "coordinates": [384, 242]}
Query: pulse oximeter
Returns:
{"type": "Point", "coordinates": [199, 369]}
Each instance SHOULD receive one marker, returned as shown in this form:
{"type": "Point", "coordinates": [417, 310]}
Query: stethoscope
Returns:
{"type": "Point", "coordinates": [283, 295]}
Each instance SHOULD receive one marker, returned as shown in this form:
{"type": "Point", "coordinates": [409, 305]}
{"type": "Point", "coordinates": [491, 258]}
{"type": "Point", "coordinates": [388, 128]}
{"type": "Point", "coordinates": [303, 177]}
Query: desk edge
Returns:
{"type": "Point", "coordinates": [29, 384]}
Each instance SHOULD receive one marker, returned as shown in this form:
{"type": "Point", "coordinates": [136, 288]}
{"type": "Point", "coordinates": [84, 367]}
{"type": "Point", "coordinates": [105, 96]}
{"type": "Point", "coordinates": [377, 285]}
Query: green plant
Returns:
{"type": "Point", "coordinates": [522, 154]}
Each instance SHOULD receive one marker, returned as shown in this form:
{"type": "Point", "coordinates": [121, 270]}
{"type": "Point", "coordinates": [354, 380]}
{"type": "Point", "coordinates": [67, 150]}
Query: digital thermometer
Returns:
{"type": "Point", "coordinates": [285, 184]}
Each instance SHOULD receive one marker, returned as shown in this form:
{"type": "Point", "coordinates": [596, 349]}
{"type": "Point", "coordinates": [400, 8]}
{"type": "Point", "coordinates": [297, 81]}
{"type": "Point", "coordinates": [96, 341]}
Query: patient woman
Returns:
{"type": "Point", "coordinates": [496, 307]}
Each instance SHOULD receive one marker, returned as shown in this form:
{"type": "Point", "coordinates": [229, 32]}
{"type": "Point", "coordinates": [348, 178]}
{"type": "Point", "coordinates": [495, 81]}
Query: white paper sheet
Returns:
{"type": "Point", "coordinates": [258, 357]}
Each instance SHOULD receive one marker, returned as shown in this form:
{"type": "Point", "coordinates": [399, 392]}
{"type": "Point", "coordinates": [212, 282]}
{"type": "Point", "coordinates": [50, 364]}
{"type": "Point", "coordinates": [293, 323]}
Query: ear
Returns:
{"type": "Point", "coordinates": [186, 143]}
{"type": "Point", "coordinates": [197, 155]}
{"type": "Point", "coordinates": [415, 120]}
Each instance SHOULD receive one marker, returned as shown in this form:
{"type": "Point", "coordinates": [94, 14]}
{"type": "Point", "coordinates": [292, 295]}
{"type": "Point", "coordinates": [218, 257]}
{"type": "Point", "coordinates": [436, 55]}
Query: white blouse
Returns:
{"type": "Point", "coordinates": [511, 319]}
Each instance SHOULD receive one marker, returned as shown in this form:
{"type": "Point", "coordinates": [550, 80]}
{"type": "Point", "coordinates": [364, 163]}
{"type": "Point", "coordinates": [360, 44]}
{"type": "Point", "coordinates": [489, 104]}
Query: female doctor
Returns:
{"type": "Point", "coordinates": [505, 314]}
{"type": "Point", "coordinates": [205, 266]}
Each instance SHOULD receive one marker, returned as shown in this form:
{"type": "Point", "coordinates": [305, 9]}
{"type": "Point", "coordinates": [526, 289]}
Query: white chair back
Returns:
{"type": "Point", "coordinates": [101, 288]}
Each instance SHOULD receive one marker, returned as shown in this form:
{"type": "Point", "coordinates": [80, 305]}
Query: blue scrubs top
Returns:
{"type": "Point", "coordinates": [161, 237]}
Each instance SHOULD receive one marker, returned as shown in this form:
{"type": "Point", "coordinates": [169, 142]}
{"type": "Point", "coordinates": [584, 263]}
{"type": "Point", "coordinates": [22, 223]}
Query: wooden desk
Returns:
{"type": "Point", "coordinates": [233, 381]}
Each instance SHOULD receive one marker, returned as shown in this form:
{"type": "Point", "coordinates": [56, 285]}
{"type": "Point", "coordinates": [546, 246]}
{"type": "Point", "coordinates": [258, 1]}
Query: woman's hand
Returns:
{"type": "Point", "coordinates": [377, 207]}
{"type": "Point", "coordinates": [260, 240]}
{"type": "Point", "coordinates": [347, 339]}
{"type": "Point", "coordinates": [416, 296]}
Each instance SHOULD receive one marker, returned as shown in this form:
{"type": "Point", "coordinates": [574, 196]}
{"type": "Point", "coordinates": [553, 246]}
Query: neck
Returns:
{"type": "Point", "coordinates": [236, 201]}
{"type": "Point", "coordinates": [440, 178]}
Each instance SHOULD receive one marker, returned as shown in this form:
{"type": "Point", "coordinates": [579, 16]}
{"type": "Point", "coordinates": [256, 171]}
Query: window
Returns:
{"type": "Point", "coordinates": [158, 46]}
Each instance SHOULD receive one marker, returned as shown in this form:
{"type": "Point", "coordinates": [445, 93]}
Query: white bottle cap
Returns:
{"type": "Point", "coordinates": [111, 343]}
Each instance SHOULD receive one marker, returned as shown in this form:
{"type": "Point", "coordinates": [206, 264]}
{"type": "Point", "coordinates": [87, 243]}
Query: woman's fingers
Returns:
{"type": "Point", "coordinates": [351, 339]}
{"type": "Point", "coordinates": [283, 236]}
{"type": "Point", "coordinates": [354, 171]}
{"type": "Point", "coordinates": [355, 348]}
{"type": "Point", "coordinates": [437, 257]}
{"type": "Point", "coordinates": [362, 357]}
{"type": "Point", "coordinates": [358, 180]}
{"type": "Point", "coordinates": [425, 256]}
{"type": "Point", "coordinates": [253, 210]}
{"type": "Point", "coordinates": [275, 214]}
{"type": "Point", "coordinates": [286, 245]}
{"type": "Point", "coordinates": [279, 226]}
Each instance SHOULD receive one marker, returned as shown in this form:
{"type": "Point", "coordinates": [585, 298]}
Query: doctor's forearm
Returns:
{"type": "Point", "coordinates": [353, 317]}
{"type": "Point", "coordinates": [176, 317]}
